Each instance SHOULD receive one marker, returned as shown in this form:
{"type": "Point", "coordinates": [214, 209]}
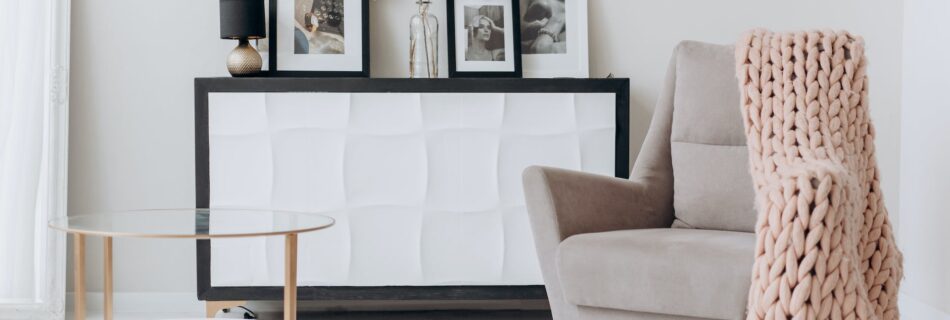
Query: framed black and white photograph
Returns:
{"type": "Point", "coordinates": [319, 38]}
{"type": "Point", "coordinates": [554, 38]}
{"type": "Point", "coordinates": [483, 37]}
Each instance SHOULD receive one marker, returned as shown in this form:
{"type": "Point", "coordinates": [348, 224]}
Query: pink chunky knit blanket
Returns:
{"type": "Point", "coordinates": [825, 246]}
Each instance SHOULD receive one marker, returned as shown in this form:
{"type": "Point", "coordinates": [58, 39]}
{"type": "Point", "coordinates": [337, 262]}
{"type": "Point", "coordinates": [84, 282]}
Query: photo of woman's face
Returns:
{"type": "Point", "coordinates": [483, 32]}
{"type": "Point", "coordinates": [314, 22]}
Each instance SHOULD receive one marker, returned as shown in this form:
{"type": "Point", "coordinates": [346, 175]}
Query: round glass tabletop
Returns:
{"type": "Point", "coordinates": [193, 223]}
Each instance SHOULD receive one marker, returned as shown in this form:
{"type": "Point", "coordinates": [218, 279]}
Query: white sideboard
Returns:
{"type": "Point", "coordinates": [423, 181]}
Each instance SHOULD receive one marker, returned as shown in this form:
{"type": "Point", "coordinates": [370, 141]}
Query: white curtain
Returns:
{"type": "Point", "coordinates": [34, 64]}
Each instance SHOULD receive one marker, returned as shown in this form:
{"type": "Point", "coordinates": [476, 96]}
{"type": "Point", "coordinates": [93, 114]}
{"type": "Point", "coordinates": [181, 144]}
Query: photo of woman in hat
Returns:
{"type": "Point", "coordinates": [319, 27]}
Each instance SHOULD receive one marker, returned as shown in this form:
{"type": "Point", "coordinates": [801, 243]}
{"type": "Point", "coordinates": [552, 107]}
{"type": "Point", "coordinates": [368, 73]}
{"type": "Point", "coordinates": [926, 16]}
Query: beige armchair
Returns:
{"type": "Point", "coordinates": [676, 240]}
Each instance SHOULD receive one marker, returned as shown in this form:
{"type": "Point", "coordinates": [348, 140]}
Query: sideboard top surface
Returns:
{"type": "Point", "coordinates": [276, 84]}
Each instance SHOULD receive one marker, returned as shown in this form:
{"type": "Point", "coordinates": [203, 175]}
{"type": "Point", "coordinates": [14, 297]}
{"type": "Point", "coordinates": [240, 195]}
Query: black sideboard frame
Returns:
{"type": "Point", "coordinates": [204, 86]}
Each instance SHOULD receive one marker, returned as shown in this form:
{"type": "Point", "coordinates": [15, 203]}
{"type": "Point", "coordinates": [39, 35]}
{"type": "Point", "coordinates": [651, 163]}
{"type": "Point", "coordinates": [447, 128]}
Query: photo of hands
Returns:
{"type": "Point", "coordinates": [543, 27]}
{"type": "Point", "coordinates": [554, 38]}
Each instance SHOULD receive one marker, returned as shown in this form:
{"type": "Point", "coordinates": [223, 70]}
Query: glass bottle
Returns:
{"type": "Point", "coordinates": [423, 43]}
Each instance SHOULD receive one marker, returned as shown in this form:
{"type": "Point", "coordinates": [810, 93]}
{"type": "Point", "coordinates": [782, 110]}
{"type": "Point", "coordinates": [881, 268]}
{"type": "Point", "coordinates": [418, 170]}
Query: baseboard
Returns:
{"type": "Point", "coordinates": [29, 311]}
{"type": "Point", "coordinates": [147, 302]}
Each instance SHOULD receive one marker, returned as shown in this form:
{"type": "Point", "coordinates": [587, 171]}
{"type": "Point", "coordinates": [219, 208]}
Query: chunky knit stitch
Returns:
{"type": "Point", "coordinates": [825, 247]}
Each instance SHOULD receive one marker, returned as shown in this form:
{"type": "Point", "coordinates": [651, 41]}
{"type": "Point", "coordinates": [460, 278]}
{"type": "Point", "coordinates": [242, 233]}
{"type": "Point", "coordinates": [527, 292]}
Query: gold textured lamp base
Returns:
{"type": "Point", "coordinates": [244, 60]}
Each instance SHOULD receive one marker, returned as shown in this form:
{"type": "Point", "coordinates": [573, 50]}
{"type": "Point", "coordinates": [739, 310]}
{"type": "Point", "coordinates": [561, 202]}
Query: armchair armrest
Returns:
{"type": "Point", "coordinates": [562, 203]}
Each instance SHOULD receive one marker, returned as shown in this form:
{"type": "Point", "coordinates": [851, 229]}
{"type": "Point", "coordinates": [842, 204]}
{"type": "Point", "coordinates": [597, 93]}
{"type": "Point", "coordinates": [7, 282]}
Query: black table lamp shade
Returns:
{"type": "Point", "coordinates": [242, 19]}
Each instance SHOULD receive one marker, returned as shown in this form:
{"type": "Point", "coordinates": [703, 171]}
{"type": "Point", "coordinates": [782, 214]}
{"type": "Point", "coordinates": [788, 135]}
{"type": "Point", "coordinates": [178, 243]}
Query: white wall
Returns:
{"type": "Point", "coordinates": [635, 38]}
{"type": "Point", "coordinates": [132, 97]}
{"type": "Point", "coordinates": [925, 155]}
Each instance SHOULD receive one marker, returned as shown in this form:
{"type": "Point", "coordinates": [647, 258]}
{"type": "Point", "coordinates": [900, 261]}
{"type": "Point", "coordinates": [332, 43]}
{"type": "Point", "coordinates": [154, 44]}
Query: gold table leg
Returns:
{"type": "Point", "coordinates": [79, 276]}
{"type": "Point", "coordinates": [290, 277]}
{"type": "Point", "coordinates": [107, 276]}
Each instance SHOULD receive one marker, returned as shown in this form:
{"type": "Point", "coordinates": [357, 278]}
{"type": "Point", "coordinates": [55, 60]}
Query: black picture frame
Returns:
{"type": "Point", "coordinates": [205, 86]}
{"type": "Point", "coordinates": [516, 45]}
{"type": "Point", "coordinates": [273, 56]}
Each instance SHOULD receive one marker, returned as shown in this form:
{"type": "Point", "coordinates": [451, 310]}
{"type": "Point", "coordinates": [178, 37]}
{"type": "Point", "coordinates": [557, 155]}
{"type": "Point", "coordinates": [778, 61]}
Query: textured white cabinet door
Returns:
{"type": "Point", "coordinates": [425, 187]}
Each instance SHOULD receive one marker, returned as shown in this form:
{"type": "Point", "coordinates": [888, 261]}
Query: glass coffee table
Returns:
{"type": "Point", "coordinates": [188, 224]}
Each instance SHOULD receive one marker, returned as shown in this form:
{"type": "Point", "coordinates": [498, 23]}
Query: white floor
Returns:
{"type": "Point", "coordinates": [910, 308]}
{"type": "Point", "coordinates": [184, 305]}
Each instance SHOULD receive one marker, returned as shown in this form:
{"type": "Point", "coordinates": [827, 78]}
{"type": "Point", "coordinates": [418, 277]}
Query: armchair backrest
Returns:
{"type": "Point", "coordinates": [695, 157]}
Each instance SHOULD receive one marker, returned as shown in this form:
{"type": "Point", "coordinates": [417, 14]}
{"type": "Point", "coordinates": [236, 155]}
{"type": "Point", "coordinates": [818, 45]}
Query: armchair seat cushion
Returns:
{"type": "Point", "coordinates": [686, 272]}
